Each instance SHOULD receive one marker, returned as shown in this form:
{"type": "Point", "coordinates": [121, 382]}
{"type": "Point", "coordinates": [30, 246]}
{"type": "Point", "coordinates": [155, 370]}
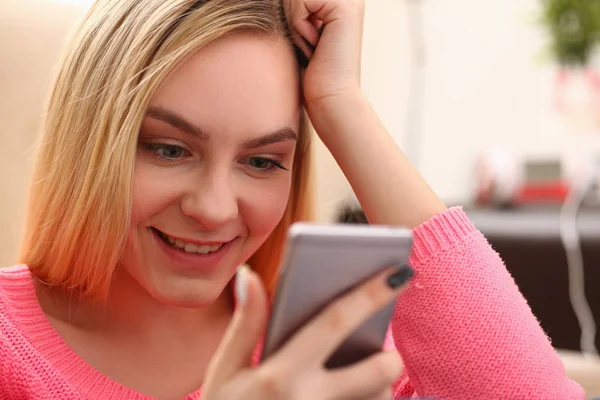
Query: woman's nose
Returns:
{"type": "Point", "coordinates": [213, 203]}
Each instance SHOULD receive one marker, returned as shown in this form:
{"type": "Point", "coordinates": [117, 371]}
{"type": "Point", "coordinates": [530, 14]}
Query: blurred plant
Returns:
{"type": "Point", "coordinates": [574, 28]}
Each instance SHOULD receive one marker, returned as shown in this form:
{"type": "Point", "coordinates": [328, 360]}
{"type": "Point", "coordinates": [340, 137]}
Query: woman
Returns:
{"type": "Point", "coordinates": [175, 149]}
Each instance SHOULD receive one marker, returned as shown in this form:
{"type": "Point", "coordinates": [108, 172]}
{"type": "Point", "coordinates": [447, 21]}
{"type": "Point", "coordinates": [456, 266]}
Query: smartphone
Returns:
{"type": "Point", "coordinates": [323, 262]}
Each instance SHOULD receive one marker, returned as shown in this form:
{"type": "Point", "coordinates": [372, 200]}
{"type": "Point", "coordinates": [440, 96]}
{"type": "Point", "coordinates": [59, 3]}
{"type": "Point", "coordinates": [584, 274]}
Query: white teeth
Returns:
{"type": "Point", "coordinates": [191, 247]}
{"type": "Point", "coordinates": [203, 249]}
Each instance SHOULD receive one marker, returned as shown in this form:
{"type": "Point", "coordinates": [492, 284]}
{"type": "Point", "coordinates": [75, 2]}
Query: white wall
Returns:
{"type": "Point", "coordinates": [484, 87]}
{"type": "Point", "coordinates": [484, 84]}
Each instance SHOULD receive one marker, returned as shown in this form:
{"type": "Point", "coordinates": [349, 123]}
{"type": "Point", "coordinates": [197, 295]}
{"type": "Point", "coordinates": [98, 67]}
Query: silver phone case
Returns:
{"type": "Point", "coordinates": [321, 263]}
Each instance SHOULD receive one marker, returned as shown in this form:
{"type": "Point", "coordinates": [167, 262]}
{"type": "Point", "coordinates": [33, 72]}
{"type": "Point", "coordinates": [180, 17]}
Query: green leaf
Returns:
{"type": "Point", "coordinates": [573, 27]}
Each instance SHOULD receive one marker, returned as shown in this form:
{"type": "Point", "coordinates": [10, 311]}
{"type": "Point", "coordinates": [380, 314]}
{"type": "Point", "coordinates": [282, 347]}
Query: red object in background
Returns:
{"type": "Point", "coordinates": [547, 192]}
{"type": "Point", "coordinates": [503, 181]}
{"type": "Point", "coordinates": [530, 193]}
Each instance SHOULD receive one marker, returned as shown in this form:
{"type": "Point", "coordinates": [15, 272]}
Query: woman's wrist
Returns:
{"type": "Point", "coordinates": [327, 114]}
{"type": "Point", "coordinates": [389, 188]}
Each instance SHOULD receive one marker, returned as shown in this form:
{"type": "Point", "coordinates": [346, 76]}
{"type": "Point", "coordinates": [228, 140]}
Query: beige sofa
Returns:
{"type": "Point", "coordinates": [32, 33]}
{"type": "Point", "coordinates": [31, 36]}
{"type": "Point", "coordinates": [584, 370]}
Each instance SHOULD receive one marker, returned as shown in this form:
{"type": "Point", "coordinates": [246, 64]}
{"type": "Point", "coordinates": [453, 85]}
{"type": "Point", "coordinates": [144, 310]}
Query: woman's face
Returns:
{"type": "Point", "coordinates": [213, 167]}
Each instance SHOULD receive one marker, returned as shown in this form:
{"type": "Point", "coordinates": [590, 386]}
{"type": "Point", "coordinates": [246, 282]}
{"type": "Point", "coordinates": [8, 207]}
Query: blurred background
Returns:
{"type": "Point", "coordinates": [496, 102]}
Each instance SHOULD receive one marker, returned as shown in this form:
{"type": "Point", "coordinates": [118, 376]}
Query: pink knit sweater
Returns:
{"type": "Point", "coordinates": [463, 329]}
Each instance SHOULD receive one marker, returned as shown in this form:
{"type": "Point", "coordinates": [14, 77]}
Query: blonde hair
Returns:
{"type": "Point", "coordinates": [80, 198]}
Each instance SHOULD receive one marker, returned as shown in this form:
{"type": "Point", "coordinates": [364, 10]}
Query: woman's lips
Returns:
{"type": "Point", "coordinates": [190, 246]}
{"type": "Point", "coordinates": [180, 259]}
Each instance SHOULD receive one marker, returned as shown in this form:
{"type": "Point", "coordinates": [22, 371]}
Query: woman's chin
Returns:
{"type": "Point", "coordinates": [188, 294]}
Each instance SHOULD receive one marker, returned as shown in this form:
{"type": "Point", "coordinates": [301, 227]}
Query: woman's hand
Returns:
{"type": "Point", "coordinates": [329, 32]}
{"type": "Point", "coordinates": [296, 371]}
{"type": "Point", "coordinates": [390, 190]}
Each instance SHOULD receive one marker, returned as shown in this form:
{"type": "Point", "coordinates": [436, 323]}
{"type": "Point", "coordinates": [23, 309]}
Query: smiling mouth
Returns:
{"type": "Point", "coordinates": [188, 247]}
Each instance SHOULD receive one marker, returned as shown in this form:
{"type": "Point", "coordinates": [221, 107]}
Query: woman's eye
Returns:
{"type": "Point", "coordinates": [260, 163]}
{"type": "Point", "coordinates": [264, 164]}
{"type": "Point", "coordinates": [167, 152]}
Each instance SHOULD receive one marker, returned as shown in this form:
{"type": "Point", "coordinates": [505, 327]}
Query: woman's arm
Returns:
{"type": "Point", "coordinates": [463, 329]}
{"type": "Point", "coordinates": [388, 187]}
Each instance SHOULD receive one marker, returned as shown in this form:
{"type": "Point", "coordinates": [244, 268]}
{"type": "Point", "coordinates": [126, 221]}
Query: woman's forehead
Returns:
{"type": "Point", "coordinates": [241, 78]}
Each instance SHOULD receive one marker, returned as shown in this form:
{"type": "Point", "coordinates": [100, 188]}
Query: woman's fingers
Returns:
{"type": "Point", "coordinates": [307, 351]}
{"type": "Point", "coordinates": [308, 31]}
{"type": "Point", "coordinates": [368, 379]}
{"type": "Point", "coordinates": [317, 23]}
{"type": "Point", "coordinates": [328, 38]}
{"type": "Point", "coordinates": [304, 34]}
{"type": "Point", "coordinates": [302, 44]}
{"type": "Point", "coordinates": [237, 346]}
{"type": "Point", "coordinates": [314, 343]}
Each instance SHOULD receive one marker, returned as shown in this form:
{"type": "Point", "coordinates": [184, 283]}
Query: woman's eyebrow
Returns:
{"type": "Point", "coordinates": [171, 118]}
{"type": "Point", "coordinates": [280, 135]}
{"type": "Point", "coordinates": [176, 121]}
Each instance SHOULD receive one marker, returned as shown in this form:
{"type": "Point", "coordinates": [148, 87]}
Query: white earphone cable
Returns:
{"type": "Point", "coordinates": [569, 234]}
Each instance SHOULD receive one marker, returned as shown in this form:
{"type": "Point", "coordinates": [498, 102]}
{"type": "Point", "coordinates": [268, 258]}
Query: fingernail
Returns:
{"type": "Point", "coordinates": [400, 277]}
{"type": "Point", "coordinates": [241, 284]}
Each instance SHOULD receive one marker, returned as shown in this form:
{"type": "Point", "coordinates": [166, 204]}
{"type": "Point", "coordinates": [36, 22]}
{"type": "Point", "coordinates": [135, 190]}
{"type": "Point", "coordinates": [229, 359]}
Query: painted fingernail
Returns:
{"type": "Point", "coordinates": [241, 284]}
{"type": "Point", "coordinates": [400, 277]}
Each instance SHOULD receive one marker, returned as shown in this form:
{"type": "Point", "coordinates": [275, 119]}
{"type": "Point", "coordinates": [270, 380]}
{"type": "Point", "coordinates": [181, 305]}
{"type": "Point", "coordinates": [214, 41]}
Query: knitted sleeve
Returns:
{"type": "Point", "coordinates": [463, 328]}
{"type": "Point", "coordinates": [7, 371]}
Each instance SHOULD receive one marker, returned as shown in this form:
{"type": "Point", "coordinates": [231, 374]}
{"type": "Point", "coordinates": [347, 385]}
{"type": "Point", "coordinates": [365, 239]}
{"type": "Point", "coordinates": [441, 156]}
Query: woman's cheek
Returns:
{"type": "Point", "coordinates": [262, 208]}
{"type": "Point", "coordinates": [155, 189]}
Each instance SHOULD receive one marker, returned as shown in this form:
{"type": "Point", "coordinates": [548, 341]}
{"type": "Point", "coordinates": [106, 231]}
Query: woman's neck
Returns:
{"type": "Point", "coordinates": [133, 317]}
{"type": "Point", "coordinates": [153, 348]}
